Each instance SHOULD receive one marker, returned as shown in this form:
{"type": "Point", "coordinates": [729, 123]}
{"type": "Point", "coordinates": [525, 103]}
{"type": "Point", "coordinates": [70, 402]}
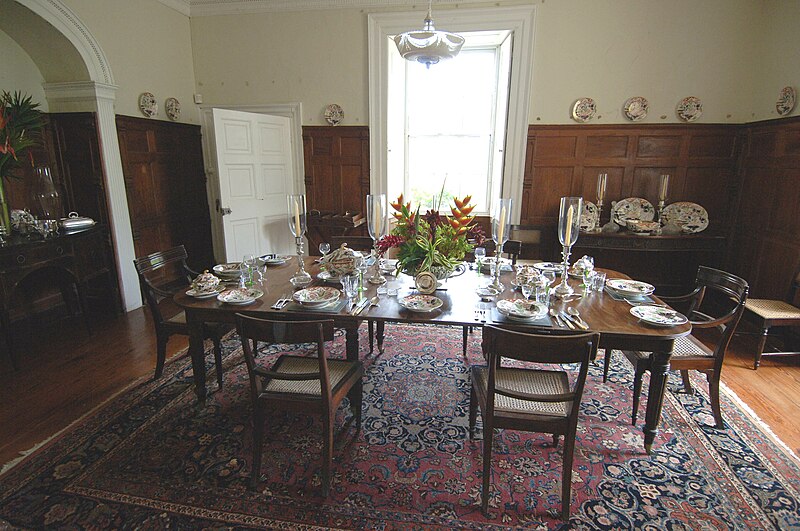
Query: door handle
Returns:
{"type": "Point", "coordinates": [221, 209]}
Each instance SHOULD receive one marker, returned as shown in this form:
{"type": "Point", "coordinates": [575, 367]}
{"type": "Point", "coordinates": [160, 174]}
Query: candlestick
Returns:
{"type": "Point", "coordinates": [501, 229]}
{"type": "Point", "coordinates": [601, 186]}
{"type": "Point", "coordinates": [662, 192]}
{"type": "Point", "coordinates": [569, 214]}
{"type": "Point", "coordinates": [296, 219]}
{"type": "Point", "coordinates": [568, 237]}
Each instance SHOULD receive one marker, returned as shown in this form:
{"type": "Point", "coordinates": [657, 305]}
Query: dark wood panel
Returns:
{"type": "Point", "coordinates": [555, 147]}
{"type": "Point", "coordinates": [658, 146]}
{"type": "Point", "coordinates": [166, 186]}
{"type": "Point", "coordinates": [606, 147]}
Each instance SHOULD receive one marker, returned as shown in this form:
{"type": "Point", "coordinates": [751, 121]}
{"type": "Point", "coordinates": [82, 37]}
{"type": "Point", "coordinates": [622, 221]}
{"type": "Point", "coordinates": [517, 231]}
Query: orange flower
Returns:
{"type": "Point", "coordinates": [398, 205]}
{"type": "Point", "coordinates": [467, 209]}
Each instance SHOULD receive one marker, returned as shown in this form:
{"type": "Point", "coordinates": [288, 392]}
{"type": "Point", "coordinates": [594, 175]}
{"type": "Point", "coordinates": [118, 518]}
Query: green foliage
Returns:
{"type": "Point", "coordinates": [20, 125]}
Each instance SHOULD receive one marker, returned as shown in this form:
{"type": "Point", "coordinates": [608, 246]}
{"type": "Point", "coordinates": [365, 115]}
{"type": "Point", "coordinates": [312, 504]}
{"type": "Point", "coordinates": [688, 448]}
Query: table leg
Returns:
{"type": "Point", "coordinates": [655, 397]}
{"type": "Point", "coordinates": [380, 335]}
{"type": "Point", "coordinates": [197, 353]}
{"type": "Point", "coordinates": [351, 342]}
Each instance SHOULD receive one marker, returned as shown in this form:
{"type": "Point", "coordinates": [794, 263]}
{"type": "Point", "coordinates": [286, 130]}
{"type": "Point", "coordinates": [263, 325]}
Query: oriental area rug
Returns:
{"type": "Point", "coordinates": [151, 459]}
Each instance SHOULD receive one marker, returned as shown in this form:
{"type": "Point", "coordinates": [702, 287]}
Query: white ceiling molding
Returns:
{"type": "Point", "coordinates": [181, 6]}
{"type": "Point", "coordinates": [202, 8]}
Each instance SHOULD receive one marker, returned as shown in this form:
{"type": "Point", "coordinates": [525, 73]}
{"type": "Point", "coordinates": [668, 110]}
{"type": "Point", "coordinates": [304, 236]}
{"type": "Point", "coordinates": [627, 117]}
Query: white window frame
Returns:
{"type": "Point", "coordinates": [517, 19]}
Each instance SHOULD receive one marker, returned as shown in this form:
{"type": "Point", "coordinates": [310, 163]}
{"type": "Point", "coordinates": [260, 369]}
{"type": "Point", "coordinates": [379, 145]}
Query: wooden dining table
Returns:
{"type": "Point", "coordinates": [462, 306]}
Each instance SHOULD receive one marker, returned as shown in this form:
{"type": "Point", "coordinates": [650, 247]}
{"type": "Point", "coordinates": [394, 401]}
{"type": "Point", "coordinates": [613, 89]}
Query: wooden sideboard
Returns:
{"type": "Point", "coordinates": [27, 265]}
{"type": "Point", "coordinates": [669, 262]}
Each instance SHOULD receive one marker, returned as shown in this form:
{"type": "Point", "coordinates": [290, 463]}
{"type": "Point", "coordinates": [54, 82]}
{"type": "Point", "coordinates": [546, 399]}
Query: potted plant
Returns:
{"type": "Point", "coordinates": [20, 124]}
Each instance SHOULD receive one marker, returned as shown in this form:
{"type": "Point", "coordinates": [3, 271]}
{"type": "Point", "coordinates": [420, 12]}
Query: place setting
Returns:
{"type": "Point", "coordinates": [631, 291]}
{"type": "Point", "coordinates": [658, 315]}
{"type": "Point", "coordinates": [317, 298]}
{"type": "Point", "coordinates": [240, 296]}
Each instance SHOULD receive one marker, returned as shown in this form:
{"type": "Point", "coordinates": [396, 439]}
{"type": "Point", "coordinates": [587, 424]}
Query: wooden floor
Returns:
{"type": "Point", "coordinates": [65, 373]}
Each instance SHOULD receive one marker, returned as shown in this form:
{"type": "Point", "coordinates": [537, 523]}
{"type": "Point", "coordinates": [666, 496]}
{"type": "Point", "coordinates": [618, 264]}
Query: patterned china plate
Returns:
{"type": "Point", "coordinates": [205, 294]}
{"type": "Point", "coordinates": [630, 287]}
{"type": "Point", "coordinates": [633, 208]}
{"type": "Point", "coordinates": [274, 259]}
{"type": "Point", "coordinates": [334, 114]}
{"type": "Point", "coordinates": [317, 296]}
{"type": "Point", "coordinates": [148, 104]}
{"type": "Point", "coordinates": [689, 109]}
{"type": "Point", "coordinates": [590, 216]}
{"type": "Point", "coordinates": [583, 110]}
{"type": "Point", "coordinates": [521, 309]}
{"type": "Point", "coordinates": [786, 100]}
{"type": "Point", "coordinates": [555, 267]}
{"type": "Point", "coordinates": [421, 303]}
{"type": "Point", "coordinates": [635, 109]}
{"type": "Point", "coordinates": [173, 108]}
{"type": "Point", "coordinates": [326, 276]}
{"type": "Point", "coordinates": [240, 295]}
{"type": "Point", "coordinates": [691, 217]}
{"type": "Point", "coordinates": [228, 270]}
{"type": "Point", "coordinates": [659, 316]}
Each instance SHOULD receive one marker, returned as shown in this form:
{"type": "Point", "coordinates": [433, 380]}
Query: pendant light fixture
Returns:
{"type": "Point", "coordinates": [428, 46]}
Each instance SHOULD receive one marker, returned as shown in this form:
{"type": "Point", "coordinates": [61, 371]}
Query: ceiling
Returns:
{"type": "Point", "coordinates": [197, 8]}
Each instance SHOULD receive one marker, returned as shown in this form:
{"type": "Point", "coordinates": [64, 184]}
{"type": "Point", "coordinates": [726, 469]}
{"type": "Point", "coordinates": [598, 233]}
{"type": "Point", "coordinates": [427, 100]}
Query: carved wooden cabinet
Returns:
{"type": "Point", "coordinates": [668, 262]}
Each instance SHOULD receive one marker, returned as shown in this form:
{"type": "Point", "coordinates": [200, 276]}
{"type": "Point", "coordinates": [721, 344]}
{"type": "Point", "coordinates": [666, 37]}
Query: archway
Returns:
{"type": "Point", "coordinates": [90, 87]}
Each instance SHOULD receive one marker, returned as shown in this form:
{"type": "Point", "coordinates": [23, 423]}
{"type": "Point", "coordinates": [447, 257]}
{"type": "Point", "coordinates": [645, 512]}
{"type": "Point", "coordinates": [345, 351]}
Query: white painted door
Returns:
{"type": "Point", "coordinates": [256, 172]}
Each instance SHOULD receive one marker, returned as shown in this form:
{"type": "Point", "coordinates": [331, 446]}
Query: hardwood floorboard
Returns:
{"type": "Point", "coordinates": [65, 373]}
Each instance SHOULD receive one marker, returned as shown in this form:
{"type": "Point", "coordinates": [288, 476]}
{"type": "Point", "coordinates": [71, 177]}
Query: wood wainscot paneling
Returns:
{"type": "Point", "coordinates": [166, 187]}
{"type": "Point", "coordinates": [765, 247]}
{"type": "Point", "coordinates": [336, 173]}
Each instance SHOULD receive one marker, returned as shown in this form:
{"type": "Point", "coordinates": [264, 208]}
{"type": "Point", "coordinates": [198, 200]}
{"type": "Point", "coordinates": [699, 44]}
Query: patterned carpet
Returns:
{"type": "Point", "coordinates": [150, 459]}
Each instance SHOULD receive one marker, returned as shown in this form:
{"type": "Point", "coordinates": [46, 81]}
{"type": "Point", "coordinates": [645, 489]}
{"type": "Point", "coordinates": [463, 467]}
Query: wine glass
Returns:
{"type": "Point", "coordinates": [324, 248]}
{"type": "Point", "coordinates": [246, 269]}
{"type": "Point", "coordinates": [480, 253]}
{"type": "Point", "coordinates": [527, 289]}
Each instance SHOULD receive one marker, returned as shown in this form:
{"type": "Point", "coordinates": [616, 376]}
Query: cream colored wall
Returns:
{"type": "Point", "coordinates": [779, 63]}
{"type": "Point", "coordinates": [19, 72]}
{"type": "Point", "coordinates": [607, 50]}
{"type": "Point", "coordinates": [148, 46]}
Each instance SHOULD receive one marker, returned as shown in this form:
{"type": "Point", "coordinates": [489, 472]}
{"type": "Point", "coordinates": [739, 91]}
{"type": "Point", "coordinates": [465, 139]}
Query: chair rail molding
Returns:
{"type": "Point", "coordinates": [517, 19]}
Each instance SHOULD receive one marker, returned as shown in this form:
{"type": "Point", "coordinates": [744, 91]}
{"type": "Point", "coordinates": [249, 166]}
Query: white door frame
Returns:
{"type": "Point", "coordinates": [518, 19]}
{"type": "Point", "coordinates": [293, 111]}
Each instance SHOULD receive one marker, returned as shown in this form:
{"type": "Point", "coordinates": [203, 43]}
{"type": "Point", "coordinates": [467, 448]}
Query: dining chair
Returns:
{"type": "Point", "coordinates": [716, 304]}
{"type": "Point", "coordinates": [780, 314]}
{"type": "Point", "coordinates": [298, 383]}
{"type": "Point", "coordinates": [528, 399]}
{"type": "Point", "coordinates": [513, 248]}
{"type": "Point", "coordinates": [161, 276]}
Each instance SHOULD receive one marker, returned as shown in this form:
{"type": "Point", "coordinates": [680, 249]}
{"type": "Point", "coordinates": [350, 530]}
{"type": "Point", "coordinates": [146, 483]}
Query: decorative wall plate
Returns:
{"type": "Point", "coordinates": [590, 217]}
{"type": "Point", "coordinates": [690, 217]}
{"type": "Point", "coordinates": [635, 108]}
{"type": "Point", "coordinates": [583, 110]}
{"type": "Point", "coordinates": [786, 101]}
{"type": "Point", "coordinates": [334, 114]}
{"type": "Point", "coordinates": [148, 104]}
{"type": "Point", "coordinates": [173, 109]}
{"type": "Point", "coordinates": [689, 109]}
{"type": "Point", "coordinates": [632, 208]}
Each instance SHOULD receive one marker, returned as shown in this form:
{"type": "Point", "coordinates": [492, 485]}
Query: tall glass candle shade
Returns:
{"type": "Point", "coordinates": [602, 181]}
{"type": "Point", "coordinates": [296, 216]}
{"type": "Point", "coordinates": [376, 225]}
{"type": "Point", "coordinates": [569, 222]}
{"type": "Point", "coordinates": [663, 192]}
{"type": "Point", "coordinates": [501, 228]}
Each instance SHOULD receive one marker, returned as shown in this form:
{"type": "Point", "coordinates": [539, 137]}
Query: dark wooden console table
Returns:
{"type": "Point", "coordinates": [66, 260]}
{"type": "Point", "coordinates": [669, 262]}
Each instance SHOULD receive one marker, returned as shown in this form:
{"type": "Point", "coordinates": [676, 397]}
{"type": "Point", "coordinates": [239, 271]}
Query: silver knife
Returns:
{"type": "Point", "coordinates": [566, 319]}
{"type": "Point", "coordinates": [360, 306]}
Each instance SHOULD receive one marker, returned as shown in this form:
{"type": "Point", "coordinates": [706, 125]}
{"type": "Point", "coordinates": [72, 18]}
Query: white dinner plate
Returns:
{"type": "Point", "coordinates": [274, 259]}
{"type": "Point", "coordinates": [230, 270]}
{"type": "Point", "coordinates": [555, 267]}
{"type": "Point", "coordinates": [521, 309]}
{"type": "Point", "coordinates": [630, 287]}
{"type": "Point", "coordinates": [658, 315]}
{"type": "Point", "coordinates": [326, 276]}
{"type": "Point", "coordinates": [421, 303]}
{"type": "Point", "coordinates": [240, 296]}
{"type": "Point", "coordinates": [205, 294]}
{"type": "Point", "coordinates": [316, 296]}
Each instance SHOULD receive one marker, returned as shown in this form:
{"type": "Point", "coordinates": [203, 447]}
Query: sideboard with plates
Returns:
{"type": "Point", "coordinates": [669, 262]}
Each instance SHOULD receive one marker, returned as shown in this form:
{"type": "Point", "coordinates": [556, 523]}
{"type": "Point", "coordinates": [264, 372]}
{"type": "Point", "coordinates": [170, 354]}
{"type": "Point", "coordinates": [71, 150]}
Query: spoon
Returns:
{"type": "Point", "coordinates": [576, 314]}
{"type": "Point", "coordinates": [556, 317]}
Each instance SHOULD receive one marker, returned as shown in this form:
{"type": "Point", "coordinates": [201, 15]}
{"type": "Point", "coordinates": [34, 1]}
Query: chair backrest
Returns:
{"type": "Point", "coordinates": [725, 295]}
{"type": "Point", "coordinates": [357, 243]}
{"type": "Point", "coordinates": [539, 348]}
{"type": "Point", "coordinates": [284, 332]}
{"type": "Point", "coordinates": [794, 291]}
{"type": "Point", "coordinates": [513, 248]}
{"type": "Point", "coordinates": [161, 274]}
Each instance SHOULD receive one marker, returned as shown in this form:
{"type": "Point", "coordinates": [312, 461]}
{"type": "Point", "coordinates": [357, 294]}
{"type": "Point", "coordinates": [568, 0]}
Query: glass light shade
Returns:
{"type": "Point", "coordinates": [296, 214]}
{"type": "Point", "coordinates": [46, 194]}
{"type": "Point", "coordinates": [569, 220]}
{"type": "Point", "coordinates": [428, 46]}
{"type": "Point", "coordinates": [501, 221]}
{"type": "Point", "coordinates": [376, 216]}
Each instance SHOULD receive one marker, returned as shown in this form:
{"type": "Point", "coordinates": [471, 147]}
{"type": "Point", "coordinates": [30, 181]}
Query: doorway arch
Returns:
{"type": "Point", "coordinates": [96, 94]}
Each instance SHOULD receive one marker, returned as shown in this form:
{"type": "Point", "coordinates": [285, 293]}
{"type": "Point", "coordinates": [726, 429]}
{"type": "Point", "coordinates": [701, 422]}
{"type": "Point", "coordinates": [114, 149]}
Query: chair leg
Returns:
{"type": "Point", "coordinates": [555, 440]}
{"type": "Point", "coordinates": [566, 476]}
{"type": "Point", "coordinates": [258, 442]}
{"type": "Point", "coordinates": [327, 451]}
{"type": "Point", "coordinates": [371, 331]}
{"type": "Point", "coordinates": [488, 436]}
{"type": "Point", "coordinates": [762, 342]}
{"type": "Point", "coordinates": [161, 353]}
{"type": "Point", "coordinates": [687, 382]}
{"type": "Point", "coordinates": [713, 391]}
{"type": "Point", "coordinates": [218, 359]}
{"type": "Point", "coordinates": [5, 327]}
{"type": "Point", "coordinates": [606, 364]}
{"type": "Point", "coordinates": [356, 395]}
{"type": "Point", "coordinates": [464, 333]}
{"type": "Point", "coordinates": [473, 411]}
{"type": "Point", "coordinates": [638, 374]}
{"type": "Point", "coordinates": [380, 329]}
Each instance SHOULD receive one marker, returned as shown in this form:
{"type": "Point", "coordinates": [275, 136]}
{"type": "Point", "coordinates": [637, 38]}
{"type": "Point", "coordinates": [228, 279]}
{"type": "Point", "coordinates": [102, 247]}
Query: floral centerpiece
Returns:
{"type": "Point", "coordinates": [20, 123]}
{"type": "Point", "coordinates": [431, 241]}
